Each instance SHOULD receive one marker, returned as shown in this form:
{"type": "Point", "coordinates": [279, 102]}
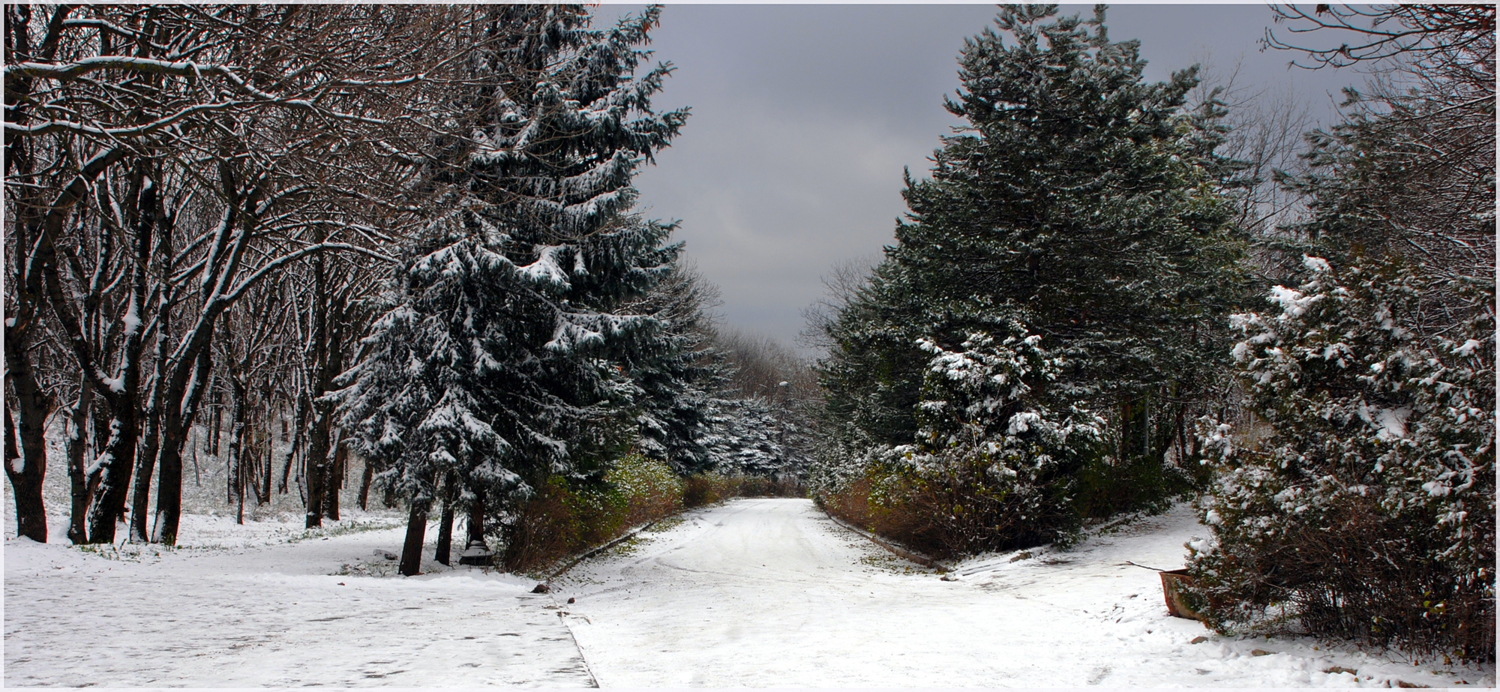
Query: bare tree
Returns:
{"type": "Point", "coordinates": [1456, 39]}
{"type": "Point", "coordinates": [162, 162]}
{"type": "Point", "coordinates": [840, 285]}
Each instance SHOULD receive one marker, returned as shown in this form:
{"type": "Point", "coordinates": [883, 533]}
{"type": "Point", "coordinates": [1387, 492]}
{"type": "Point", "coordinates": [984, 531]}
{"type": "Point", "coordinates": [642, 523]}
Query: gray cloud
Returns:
{"type": "Point", "coordinates": [805, 115]}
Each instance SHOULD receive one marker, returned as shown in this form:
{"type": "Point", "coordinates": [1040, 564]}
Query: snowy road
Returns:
{"type": "Point", "coordinates": [770, 592]}
{"type": "Point", "coordinates": [753, 592]}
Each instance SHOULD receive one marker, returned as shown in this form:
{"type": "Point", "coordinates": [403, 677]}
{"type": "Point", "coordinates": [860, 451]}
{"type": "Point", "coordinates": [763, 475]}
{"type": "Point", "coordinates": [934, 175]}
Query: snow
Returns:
{"type": "Point", "coordinates": [1293, 303]}
{"type": "Point", "coordinates": [546, 269]}
{"type": "Point", "coordinates": [17, 465]}
{"type": "Point", "coordinates": [770, 592]}
{"type": "Point", "coordinates": [765, 592]}
{"type": "Point", "coordinates": [1316, 264]}
{"type": "Point", "coordinates": [131, 320]}
{"type": "Point", "coordinates": [266, 605]}
{"type": "Point", "coordinates": [1392, 423]}
{"type": "Point", "coordinates": [115, 384]}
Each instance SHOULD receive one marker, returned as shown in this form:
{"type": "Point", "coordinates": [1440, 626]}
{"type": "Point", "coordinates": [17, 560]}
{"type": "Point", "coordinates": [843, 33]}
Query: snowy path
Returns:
{"type": "Point", "coordinates": [771, 593]}
{"type": "Point", "coordinates": [273, 616]}
{"type": "Point", "coordinates": [754, 592]}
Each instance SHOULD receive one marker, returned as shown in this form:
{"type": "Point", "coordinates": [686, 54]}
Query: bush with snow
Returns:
{"type": "Point", "coordinates": [995, 463]}
{"type": "Point", "coordinates": [1369, 510]}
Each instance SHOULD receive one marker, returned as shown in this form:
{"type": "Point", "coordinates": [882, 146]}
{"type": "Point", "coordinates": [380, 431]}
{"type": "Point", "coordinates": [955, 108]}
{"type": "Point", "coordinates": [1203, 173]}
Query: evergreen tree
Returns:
{"type": "Point", "coordinates": [1080, 205]}
{"type": "Point", "coordinates": [1365, 506]}
{"type": "Point", "coordinates": [753, 437]}
{"type": "Point", "coordinates": [677, 372]}
{"type": "Point", "coordinates": [1369, 506]}
{"type": "Point", "coordinates": [1082, 201]}
{"type": "Point", "coordinates": [495, 360]}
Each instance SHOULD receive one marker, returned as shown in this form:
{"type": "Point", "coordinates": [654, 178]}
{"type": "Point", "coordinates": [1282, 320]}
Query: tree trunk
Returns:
{"type": "Point", "coordinates": [26, 483]}
{"type": "Point", "coordinates": [445, 526]}
{"type": "Point", "coordinates": [145, 465]}
{"type": "Point", "coordinates": [146, 455]}
{"type": "Point", "coordinates": [113, 473]}
{"type": "Point", "coordinates": [364, 485]}
{"type": "Point", "coordinates": [318, 384]}
{"type": "Point", "coordinates": [264, 496]}
{"type": "Point", "coordinates": [178, 419]}
{"type": "Point", "coordinates": [215, 422]}
{"type": "Point", "coordinates": [78, 486]}
{"type": "Point", "coordinates": [26, 459]}
{"type": "Point", "coordinates": [234, 459]}
{"type": "Point", "coordinates": [416, 529]}
{"type": "Point", "coordinates": [317, 465]}
{"type": "Point", "coordinates": [445, 534]}
{"type": "Point", "coordinates": [34, 233]}
{"type": "Point", "coordinates": [295, 448]}
{"type": "Point", "coordinates": [1134, 429]}
{"type": "Point", "coordinates": [335, 480]}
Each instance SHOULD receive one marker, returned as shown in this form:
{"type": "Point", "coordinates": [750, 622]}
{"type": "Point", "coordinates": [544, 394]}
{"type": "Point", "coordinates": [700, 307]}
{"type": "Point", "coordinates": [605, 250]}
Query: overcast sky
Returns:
{"type": "Point", "coordinates": [803, 117]}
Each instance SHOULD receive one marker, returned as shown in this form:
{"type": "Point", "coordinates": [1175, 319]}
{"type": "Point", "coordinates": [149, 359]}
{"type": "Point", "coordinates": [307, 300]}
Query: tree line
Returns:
{"type": "Point", "coordinates": [1109, 293]}
{"type": "Point", "coordinates": [402, 235]}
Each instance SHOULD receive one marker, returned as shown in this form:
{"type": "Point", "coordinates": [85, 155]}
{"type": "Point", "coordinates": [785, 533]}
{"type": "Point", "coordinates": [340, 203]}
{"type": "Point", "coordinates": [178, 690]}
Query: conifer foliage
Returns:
{"type": "Point", "coordinates": [1369, 509]}
{"type": "Point", "coordinates": [493, 362]}
{"type": "Point", "coordinates": [1060, 273]}
{"type": "Point", "coordinates": [1364, 507]}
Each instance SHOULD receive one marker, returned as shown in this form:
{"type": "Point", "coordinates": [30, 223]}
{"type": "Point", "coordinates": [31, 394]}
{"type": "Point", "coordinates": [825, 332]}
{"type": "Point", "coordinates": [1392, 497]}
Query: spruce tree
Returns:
{"type": "Point", "coordinates": [494, 360]}
{"type": "Point", "coordinates": [677, 372]}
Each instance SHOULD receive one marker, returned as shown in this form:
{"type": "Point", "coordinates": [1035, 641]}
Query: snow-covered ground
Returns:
{"type": "Point", "coordinates": [278, 615]}
{"type": "Point", "coordinates": [772, 593]}
{"type": "Point", "coordinates": [754, 592]}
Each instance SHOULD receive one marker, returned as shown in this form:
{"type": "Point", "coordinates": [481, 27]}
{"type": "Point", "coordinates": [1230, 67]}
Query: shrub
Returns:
{"type": "Point", "coordinates": [996, 459]}
{"type": "Point", "coordinates": [1106, 487]}
{"type": "Point", "coordinates": [704, 489]}
{"type": "Point", "coordinates": [960, 506]}
{"type": "Point", "coordinates": [542, 529]}
{"type": "Point", "coordinates": [1368, 512]}
{"type": "Point", "coordinates": [649, 489]}
{"type": "Point", "coordinates": [559, 520]}
{"type": "Point", "coordinates": [769, 486]}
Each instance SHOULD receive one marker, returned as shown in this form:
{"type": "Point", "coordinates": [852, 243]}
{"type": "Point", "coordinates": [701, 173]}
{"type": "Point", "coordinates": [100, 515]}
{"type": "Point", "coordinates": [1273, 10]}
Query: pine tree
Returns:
{"type": "Point", "coordinates": [494, 361]}
{"type": "Point", "coordinates": [1081, 201]}
{"type": "Point", "coordinates": [1079, 204]}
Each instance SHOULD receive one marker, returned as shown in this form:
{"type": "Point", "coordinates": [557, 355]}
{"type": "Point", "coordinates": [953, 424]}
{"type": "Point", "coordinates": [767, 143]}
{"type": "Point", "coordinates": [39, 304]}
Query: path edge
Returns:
{"type": "Point", "coordinates": [894, 548]}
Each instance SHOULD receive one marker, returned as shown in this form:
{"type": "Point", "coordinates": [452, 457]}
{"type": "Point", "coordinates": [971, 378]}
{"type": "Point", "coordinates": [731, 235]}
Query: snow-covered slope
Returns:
{"type": "Point", "coordinates": [772, 593]}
